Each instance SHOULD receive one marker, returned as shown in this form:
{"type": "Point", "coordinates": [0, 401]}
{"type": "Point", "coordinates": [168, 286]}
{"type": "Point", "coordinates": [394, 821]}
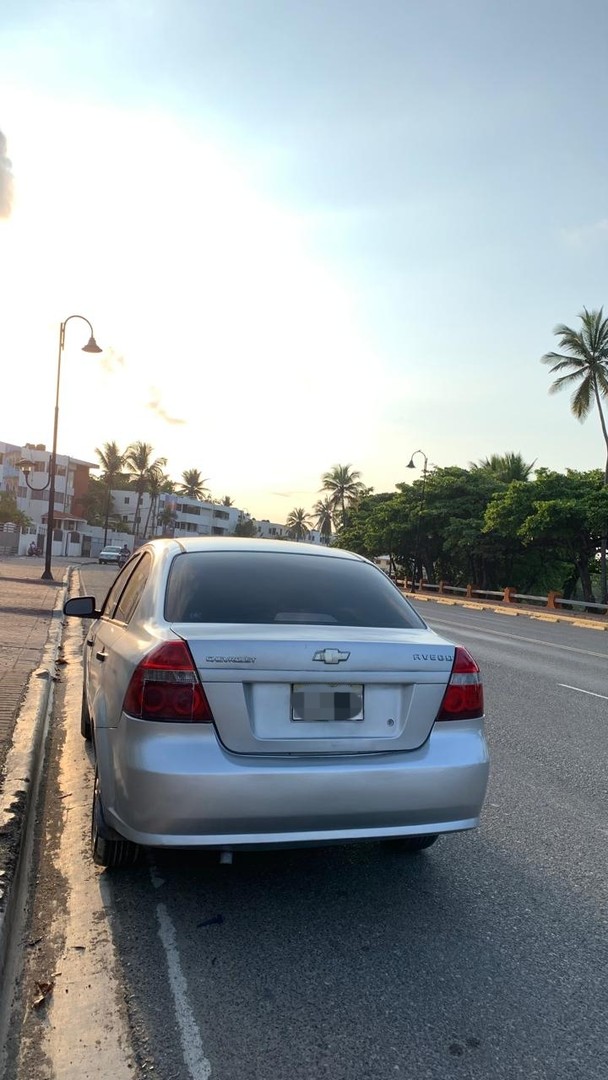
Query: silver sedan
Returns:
{"type": "Point", "coordinates": [245, 693]}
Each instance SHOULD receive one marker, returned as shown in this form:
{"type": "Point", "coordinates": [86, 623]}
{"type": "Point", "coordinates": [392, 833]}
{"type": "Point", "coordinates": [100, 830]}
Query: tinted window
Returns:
{"type": "Point", "coordinates": [268, 587]}
{"type": "Point", "coordinates": [130, 596]}
{"type": "Point", "coordinates": [116, 589]}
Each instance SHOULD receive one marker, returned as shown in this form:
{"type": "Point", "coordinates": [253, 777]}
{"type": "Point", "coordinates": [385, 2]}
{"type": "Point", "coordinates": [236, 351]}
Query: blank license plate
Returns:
{"type": "Point", "coordinates": [326, 702]}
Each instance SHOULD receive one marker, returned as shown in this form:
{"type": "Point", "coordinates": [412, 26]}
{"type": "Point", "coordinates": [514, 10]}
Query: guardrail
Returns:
{"type": "Point", "coordinates": [554, 601]}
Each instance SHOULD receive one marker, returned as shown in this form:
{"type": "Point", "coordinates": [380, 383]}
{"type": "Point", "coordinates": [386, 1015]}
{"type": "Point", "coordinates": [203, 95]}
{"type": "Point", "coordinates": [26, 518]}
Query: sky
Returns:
{"type": "Point", "coordinates": [306, 232]}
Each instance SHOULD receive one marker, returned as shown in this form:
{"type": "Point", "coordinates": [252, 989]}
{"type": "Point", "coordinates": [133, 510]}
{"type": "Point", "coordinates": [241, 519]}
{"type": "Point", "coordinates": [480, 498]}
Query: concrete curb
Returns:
{"type": "Point", "coordinates": [20, 785]}
{"type": "Point", "coordinates": [531, 613]}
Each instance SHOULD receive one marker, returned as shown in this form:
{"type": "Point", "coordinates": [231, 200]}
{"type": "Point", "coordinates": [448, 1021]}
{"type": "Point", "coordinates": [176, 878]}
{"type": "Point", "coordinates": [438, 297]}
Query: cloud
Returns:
{"type": "Point", "coordinates": [583, 237]}
{"type": "Point", "coordinates": [112, 361]}
{"type": "Point", "coordinates": [6, 180]}
{"type": "Point", "coordinates": [155, 406]}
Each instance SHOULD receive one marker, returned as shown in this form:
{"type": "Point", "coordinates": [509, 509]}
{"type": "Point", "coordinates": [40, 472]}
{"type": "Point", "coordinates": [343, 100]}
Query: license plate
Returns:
{"type": "Point", "coordinates": [326, 702]}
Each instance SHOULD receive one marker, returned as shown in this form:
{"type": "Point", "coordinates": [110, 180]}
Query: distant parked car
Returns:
{"type": "Point", "coordinates": [246, 693]}
{"type": "Point", "coordinates": [110, 554]}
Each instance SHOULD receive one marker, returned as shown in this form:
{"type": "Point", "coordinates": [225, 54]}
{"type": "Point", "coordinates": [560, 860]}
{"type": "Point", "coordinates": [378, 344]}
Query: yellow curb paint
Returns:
{"type": "Point", "coordinates": [503, 611]}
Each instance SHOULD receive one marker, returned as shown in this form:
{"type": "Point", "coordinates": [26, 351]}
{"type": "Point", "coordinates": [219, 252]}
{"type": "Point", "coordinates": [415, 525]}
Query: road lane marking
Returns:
{"type": "Point", "coordinates": [197, 1064]}
{"type": "Point", "coordinates": [453, 628]}
{"type": "Point", "coordinates": [566, 686]}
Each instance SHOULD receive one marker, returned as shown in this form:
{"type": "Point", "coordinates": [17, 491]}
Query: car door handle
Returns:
{"type": "Point", "coordinates": [100, 655]}
{"type": "Point", "coordinates": [90, 642]}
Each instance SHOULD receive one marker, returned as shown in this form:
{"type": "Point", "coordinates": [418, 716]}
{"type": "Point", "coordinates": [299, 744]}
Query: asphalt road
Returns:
{"type": "Point", "coordinates": [485, 957]}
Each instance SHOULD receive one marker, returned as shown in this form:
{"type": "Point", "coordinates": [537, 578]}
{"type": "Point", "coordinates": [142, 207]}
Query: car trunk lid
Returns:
{"type": "Point", "coordinates": [305, 691]}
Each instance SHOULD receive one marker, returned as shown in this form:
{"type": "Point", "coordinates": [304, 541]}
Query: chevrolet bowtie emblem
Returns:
{"type": "Point", "coordinates": [331, 656]}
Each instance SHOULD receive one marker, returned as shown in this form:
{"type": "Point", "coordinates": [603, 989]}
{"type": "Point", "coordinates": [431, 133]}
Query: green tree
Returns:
{"type": "Point", "coordinates": [158, 483]}
{"type": "Point", "coordinates": [246, 527]}
{"type": "Point", "coordinates": [193, 484]}
{"type": "Point", "coordinates": [506, 467]}
{"type": "Point", "coordinates": [298, 523]}
{"type": "Point", "coordinates": [10, 512]}
{"type": "Point", "coordinates": [583, 366]}
{"type": "Point", "coordinates": [227, 501]}
{"type": "Point", "coordinates": [558, 519]}
{"type": "Point", "coordinates": [345, 487]}
{"type": "Point", "coordinates": [138, 460]}
{"type": "Point", "coordinates": [111, 460]}
{"type": "Point", "coordinates": [166, 521]}
{"type": "Point", "coordinates": [324, 517]}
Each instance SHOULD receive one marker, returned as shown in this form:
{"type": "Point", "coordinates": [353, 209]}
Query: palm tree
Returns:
{"type": "Point", "coordinates": [344, 486]}
{"type": "Point", "coordinates": [324, 517]}
{"type": "Point", "coordinates": [227, 501]}
{"type": "Point", "coordinates": [298, 522]}
{"type": "Point", "coordinates": [506, 467]}
{"type": "Point", "coordinates": [158, 482]}
{"type": "Point", "coordinates": [111, 460]}
{"type": "Point", "coordinates": [584, 363]}
{"type": "Point", "coordinates": [138, 461]}
{"type": "Point", "coordinates": [193, 484]}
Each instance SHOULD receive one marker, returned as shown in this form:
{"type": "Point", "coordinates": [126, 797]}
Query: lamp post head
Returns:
{"type": "Point", "coordinates": [91, 346]}
{"type": "Point", "coordinates": [410, 464]}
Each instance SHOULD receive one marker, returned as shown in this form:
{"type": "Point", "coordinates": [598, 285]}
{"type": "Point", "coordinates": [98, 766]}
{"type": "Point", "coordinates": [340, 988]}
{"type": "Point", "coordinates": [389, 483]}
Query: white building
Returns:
{"type": "Point", "coordinates": [174, 515]}
{"type": "Point", "coordinates": [271, 530]}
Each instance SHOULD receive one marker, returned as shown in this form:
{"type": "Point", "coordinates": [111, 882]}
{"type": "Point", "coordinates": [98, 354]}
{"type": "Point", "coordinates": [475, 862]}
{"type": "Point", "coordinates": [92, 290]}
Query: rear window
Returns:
{"type": "Point", "coordinates": [268, 587]}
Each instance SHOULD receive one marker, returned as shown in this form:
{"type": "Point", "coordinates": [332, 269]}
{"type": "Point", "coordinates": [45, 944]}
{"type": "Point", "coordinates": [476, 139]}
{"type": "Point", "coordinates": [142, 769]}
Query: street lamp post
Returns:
{"type": "Point", "coordinates": [90, 347]}
{"type": "Point", "coordinates": [411, 465]}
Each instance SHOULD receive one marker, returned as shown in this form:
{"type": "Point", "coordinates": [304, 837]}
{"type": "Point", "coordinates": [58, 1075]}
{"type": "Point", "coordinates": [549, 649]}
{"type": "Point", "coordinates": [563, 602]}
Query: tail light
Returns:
{"type": "Point", "coordinates": [463, 699]}
{"type": "Point", "coordinates": [165, 686]}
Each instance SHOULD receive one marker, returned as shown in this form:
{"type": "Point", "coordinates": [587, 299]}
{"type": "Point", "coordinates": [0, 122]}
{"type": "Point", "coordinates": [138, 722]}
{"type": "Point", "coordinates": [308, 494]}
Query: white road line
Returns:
{"type": "Point", "coordinates": [196, 1062]}
{"type": "Point", "coordinates": [461, 629]}
{"type": "Point", "coordinates": [566, 686]}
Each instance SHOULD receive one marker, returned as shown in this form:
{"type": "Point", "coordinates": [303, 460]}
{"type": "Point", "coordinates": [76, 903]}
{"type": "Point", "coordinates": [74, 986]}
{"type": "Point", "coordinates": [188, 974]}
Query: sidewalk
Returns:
{"type": "Point", "coordinates": [26, 606]}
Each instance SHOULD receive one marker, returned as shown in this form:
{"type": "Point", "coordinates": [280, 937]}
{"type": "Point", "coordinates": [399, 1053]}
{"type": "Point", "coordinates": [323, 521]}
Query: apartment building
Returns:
{"type": "Point", "coordinates": [272, 530]}
{"type": "Point", "coordinates": [24, 472]}
{"type": "Point", "coordinates": [174, 515]}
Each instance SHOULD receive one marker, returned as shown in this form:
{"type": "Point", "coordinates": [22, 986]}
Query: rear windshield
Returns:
{"type": "Point", "coordinates": [268, 587]}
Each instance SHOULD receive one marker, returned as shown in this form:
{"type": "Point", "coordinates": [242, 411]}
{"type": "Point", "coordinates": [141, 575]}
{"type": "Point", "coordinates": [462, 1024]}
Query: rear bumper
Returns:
{"type": "Point", "coordinates": [181, 788]}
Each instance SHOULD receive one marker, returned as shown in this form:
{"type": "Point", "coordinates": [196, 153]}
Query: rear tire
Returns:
{"type": "Point", "coordinates": [107, 846]}
{"type": "Point", "coordinates": [85, 718]}
{"type": "Point", "coordinates": [411, 845]}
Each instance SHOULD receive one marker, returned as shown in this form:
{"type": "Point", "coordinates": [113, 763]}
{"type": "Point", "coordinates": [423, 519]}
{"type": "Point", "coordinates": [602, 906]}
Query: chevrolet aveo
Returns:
{"type": "Point", "coordinates": [247, 693]}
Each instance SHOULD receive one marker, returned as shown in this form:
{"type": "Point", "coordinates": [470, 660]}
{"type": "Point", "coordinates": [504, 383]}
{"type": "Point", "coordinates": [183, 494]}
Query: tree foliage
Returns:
{"type": "Point", "coordinates": [299, 523]}
{"type": "Point", "coordinates": [193, 484]}
{"type": "Point", "coordinates": [583, 366]}
{"type": "Point", "coordinates": [472, 527]}
{"type": "Point", "coordinates": [9, 511]}
{"type": "Point", "coordinates": [138, 460]}
{"type": "Point", "coordinates": [345, 487]}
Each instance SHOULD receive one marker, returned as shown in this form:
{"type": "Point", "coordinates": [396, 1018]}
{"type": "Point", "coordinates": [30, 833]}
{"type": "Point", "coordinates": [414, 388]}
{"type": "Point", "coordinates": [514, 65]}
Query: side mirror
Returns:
{"type": "Point", "coordinates": [83, 606]}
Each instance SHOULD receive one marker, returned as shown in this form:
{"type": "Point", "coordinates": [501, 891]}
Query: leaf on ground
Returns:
{"type": "Point", "coordinates": [45, 989]}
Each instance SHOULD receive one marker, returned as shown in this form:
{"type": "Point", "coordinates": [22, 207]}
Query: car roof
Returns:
{"type": "Point", "coordinates": [238, 543]}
